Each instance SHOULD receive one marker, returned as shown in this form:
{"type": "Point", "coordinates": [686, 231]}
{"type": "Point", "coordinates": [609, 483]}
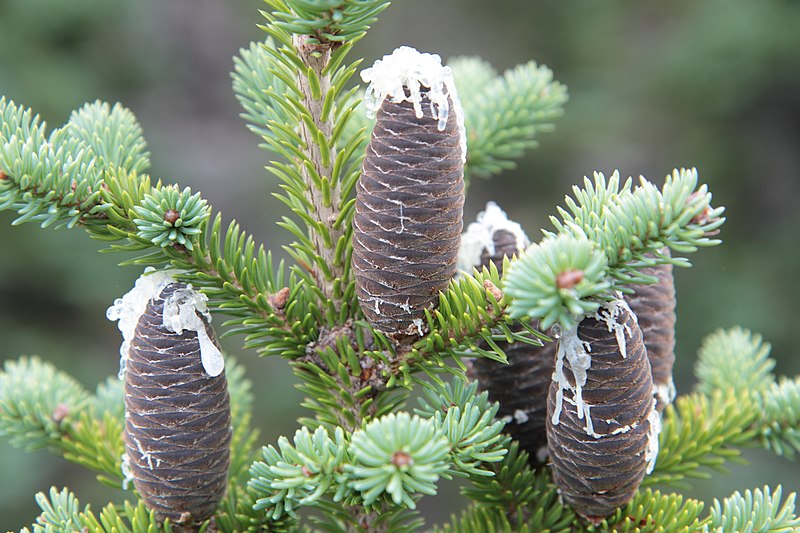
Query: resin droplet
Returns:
{"type": "Point", "coordinates": [186, 309]}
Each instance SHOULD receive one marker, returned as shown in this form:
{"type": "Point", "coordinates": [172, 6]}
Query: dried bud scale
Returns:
{"type": "Point", "coordinates": [654, 306]}
{"type": "Point", "coordinates": [602, 426]}
{"type": "Point", "coordinates": [177, 419]}
{"type": "Point", "coordinates": [410, 196]}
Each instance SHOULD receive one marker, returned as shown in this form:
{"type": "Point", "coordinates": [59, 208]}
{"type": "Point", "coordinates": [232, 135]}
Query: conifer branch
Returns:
{"type": "Point", "coordinates": [473, 309]}
{"type": "Point", "coordinates": [737, 359]}
{"type": "Point", "coordinates": [758, 510]}
{"type": "Point", "coordinates": [604, 236]}
{"type": "Point", "coordinates": [504, 114]}
{"type": "Point", "coordinates": [702, 431]}
{"type": "Point", "coordinates": [393, 459]}
{"type": "Point", "coordinates": [327, 21]}
{"type": "Point", "coordinates": [306, 60]}
{"type": "Point", "coordinates": [40, 416]}
{"type": "Point", "coordinates": [519, 496]}
{"type": "Point", "coordinates": [96, 443]}
{"type": "Point", "coordinates": [780, 407]}
{"type": "Point", "coordinates": [61, 512]}
{"type": "Point", "coordinates": [652, 511]}
{"type": "Point", "coordinates": [114, 135]}
{"type": "Point", "coordinates": [46, 182]}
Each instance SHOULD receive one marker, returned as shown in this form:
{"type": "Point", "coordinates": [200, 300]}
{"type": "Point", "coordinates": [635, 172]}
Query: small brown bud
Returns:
{"type": "Point", "coordinates": [703, 217]}
{"type": "Point", "coordinates": [172, 216]}
{"type": "Point", "coordinates": [59, 413]}
{"type": "Point", "coordinates": [279, 299]}
{"type": "Point", "coordinates": [568, 279]}
{"type": "Point", "coordinates": [3, 175]}
{"type": "Point", "coordinates": [366, 374]}
{"type": "Point", "coordinates": [306, 472]}
{"type": "Point", "coordinates": [401, 459]}
{"type": "Point", "coordinates": [493, 290]}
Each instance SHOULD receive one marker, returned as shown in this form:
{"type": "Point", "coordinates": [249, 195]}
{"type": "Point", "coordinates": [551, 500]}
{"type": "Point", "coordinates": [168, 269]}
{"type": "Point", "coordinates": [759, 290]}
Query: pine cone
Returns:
{"type": "Point", "coordinates": [178, 420]}
{"type": "Point", "coordinates": [408, 216]}
{"type": "Point", "coordinates": [602, 426]}
{"type": "Point", "coordinates": [520, 386]}
{"type": "Point", "coordinates": [654, 305]}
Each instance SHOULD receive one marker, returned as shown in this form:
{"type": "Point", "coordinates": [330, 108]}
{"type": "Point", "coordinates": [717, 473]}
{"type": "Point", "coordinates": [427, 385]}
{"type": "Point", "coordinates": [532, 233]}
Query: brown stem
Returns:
{"type": "Point", "coordinates": [370, 374]}
{"type": "Point", "coordinates": [367, 521]}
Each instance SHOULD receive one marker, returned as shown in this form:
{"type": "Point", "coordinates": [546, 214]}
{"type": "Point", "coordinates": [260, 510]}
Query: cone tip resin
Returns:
{"type": "Point", "coordinates": [489, 238]}
{"type": "Point", "coordinates": [182, 311]}
{"type": "Point", "coordinates": [520, 386]}
{"type": "Point", "coordinates": [177, 408]}
{"type": "Point", "coordinates": [404, 76]}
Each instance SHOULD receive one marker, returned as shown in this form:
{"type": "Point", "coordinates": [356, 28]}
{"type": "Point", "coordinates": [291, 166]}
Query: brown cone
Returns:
{"type": "Point", "coordinates": [177, 423]}
{"type": "Point", "coordinates": [654, 305]}
{"type": "Point", "coordinates": [597, 474]}
{"type": "Point", "coordinates": [521, 385]}
{"type": "Point", "coordinates": [521, 389]}
{"type": "Point", "coordinates": [408, 217]}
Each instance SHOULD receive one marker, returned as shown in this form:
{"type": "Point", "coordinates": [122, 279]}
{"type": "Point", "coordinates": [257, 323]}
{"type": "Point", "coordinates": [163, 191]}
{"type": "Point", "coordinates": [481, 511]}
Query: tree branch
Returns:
{"type": "Point", "coordinates": [322, 192]}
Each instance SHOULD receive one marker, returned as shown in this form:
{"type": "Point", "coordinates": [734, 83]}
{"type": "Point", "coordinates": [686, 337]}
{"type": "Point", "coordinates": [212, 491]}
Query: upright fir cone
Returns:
{"type": "Point", "coordinates": [177, 409]}
{"type": "Point", "coordinates": [521, 386]}
{"type": "Point", "coordinates": [410, 196]}
{"type": "Point", "coordinates": [654, 306]}
{"type": "Point", "coordinates": [602, 425]}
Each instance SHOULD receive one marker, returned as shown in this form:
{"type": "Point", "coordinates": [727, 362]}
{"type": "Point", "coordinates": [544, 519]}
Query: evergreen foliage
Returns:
{"type": "Point", "coordinates": [735, 359]}
{"type": "Point", "coordinates": [780, 405]}
{"type": "Point", "coordinates": [37, 417]}
{"type": "Point", "coordinates": [604, 234]}
{"type": "Point", "coordinates": [170, 217]}
{"type": "Point", "coordinates": [504, 114]}
{"type": "Point", "coordinates": [359, 462]}
{"type": "Point", "coordinates": [754, 511]}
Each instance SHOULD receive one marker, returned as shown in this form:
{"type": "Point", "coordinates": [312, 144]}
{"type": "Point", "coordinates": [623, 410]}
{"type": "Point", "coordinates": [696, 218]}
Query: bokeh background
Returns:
{"type": "Point", "coordinates": [713, 84]}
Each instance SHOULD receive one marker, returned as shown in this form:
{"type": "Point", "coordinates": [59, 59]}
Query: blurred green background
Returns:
{"type": "Point", "coordinates": [713, 84]}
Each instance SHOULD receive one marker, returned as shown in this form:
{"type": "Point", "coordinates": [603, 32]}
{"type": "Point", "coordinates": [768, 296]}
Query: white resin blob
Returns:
{"type": "Point", "coordinates": [401, 77]}
{"type": "Point", "coordinates": [182, 311]}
